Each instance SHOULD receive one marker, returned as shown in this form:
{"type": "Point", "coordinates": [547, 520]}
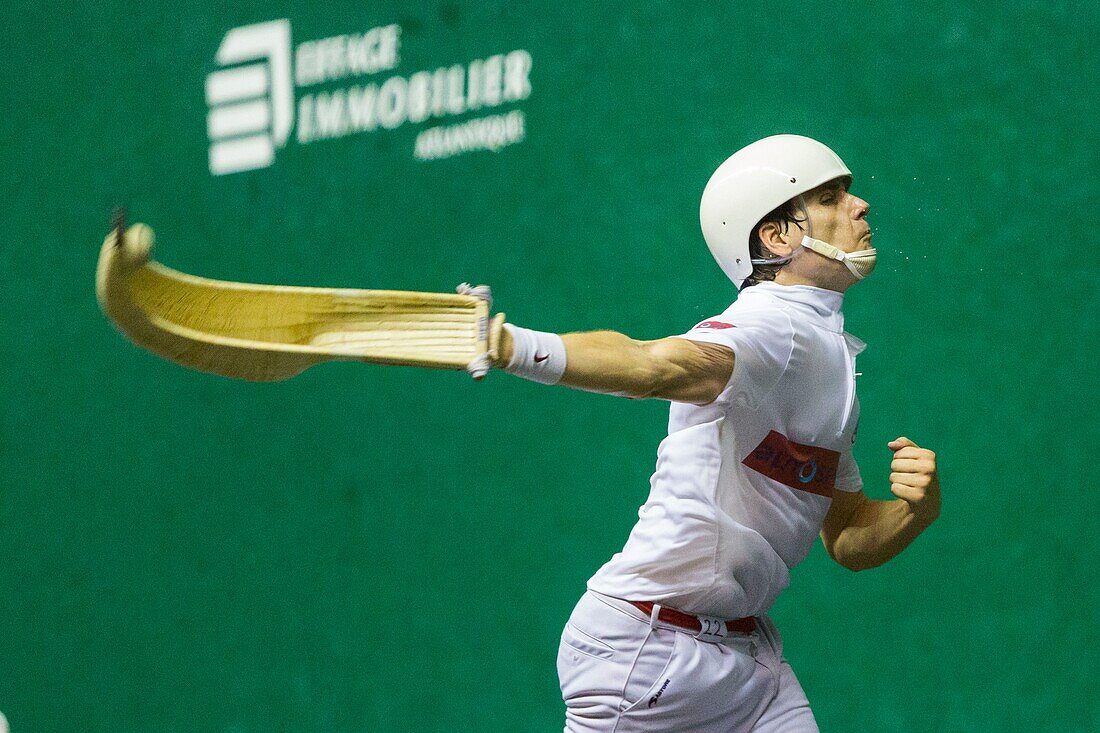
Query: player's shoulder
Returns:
{"type": "Point", "coordinates": [752, 314]}
{"type": "Point", "coordinates": [760, 335]}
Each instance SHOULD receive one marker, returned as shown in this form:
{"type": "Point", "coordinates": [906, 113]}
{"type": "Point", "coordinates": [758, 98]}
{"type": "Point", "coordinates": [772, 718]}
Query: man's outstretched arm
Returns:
{"type": "Point", "coordinates": [862, 533]}
{"type": "Point", "coordinates": [674, 369]}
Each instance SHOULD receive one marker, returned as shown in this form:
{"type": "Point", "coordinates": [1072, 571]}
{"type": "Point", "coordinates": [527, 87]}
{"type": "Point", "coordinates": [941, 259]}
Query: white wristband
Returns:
{"type": "Point", "coordinates": [536, 355]}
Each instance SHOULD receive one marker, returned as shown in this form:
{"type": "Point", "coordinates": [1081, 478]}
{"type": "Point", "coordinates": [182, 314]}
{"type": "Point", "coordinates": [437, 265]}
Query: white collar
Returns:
{"type": "Point", "coordinates": [820, 304]}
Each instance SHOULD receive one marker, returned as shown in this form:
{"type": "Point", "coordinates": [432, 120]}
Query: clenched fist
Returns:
{"type": "Point", "coordinates": [913, 478]}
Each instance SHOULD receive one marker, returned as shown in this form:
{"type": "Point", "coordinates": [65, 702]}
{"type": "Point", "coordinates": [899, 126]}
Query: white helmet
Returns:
{"type": "Point", "coordinates": [752, 182]}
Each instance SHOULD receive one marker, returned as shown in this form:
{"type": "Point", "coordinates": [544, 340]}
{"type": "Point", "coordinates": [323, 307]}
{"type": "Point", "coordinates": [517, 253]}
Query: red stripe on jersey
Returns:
{"type": "Point", "coordinates": [715, 324]}
{"type": "Point", "coordinates": [802, 467]}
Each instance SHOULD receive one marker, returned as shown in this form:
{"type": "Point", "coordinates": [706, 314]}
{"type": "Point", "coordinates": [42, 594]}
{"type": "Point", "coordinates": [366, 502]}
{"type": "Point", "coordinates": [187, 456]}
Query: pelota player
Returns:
{"type": "Point", "coordinates": [671, 634]}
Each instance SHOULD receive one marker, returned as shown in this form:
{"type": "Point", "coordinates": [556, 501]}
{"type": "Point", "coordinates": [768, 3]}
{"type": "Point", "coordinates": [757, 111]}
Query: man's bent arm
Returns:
{"type": "Point", "coordinates": [862, 533]}
{"type": "Point", "coordinates": [674, 369]}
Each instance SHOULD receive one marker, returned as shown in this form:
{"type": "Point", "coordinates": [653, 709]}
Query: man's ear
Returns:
{"type": "Point", "coordinates": [775, 239]}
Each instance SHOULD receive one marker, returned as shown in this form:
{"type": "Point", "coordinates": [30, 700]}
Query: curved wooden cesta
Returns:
{"type": "Point", "coordinates": [267, 333]}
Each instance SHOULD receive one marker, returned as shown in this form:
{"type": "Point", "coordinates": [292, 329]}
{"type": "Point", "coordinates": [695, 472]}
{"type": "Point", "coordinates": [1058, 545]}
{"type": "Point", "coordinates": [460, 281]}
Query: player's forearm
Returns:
{"type": "Point", "coordinates": [600, 361]}
{"type": "Point", "coordinates": [878, 532]}
{"type": "Point", "coordinates": [613, 363]}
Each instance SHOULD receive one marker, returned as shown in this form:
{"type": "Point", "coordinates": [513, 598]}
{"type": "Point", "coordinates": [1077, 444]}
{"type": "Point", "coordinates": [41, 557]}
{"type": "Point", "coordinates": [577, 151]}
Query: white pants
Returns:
{"type": "Point", "coordinates": [619, 674]}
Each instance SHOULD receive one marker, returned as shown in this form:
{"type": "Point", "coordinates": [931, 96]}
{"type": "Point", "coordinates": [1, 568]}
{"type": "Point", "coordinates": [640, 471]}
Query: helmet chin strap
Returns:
{"type": "Point", "coordinates": [859, 263]}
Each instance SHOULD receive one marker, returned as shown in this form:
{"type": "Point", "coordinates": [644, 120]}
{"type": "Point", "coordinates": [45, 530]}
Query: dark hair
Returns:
{"type": "Point", "coordinates": [787, 213]}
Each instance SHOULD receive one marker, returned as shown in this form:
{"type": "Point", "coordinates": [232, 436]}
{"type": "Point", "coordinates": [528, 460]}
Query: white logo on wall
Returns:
{"type": "Point", "coordinates": [252, 99]}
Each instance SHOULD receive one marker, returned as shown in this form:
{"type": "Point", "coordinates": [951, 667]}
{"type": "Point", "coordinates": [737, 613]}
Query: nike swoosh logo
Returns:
{"type": "Point", "coordinates": [541, 358]}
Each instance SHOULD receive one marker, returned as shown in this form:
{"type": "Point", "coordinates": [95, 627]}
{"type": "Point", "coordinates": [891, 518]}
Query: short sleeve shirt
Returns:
{"type": "Point", "coordinates": [742, 484]}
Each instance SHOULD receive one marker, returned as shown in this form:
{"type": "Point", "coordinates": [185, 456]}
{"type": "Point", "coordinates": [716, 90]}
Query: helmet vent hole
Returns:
{"type": "Point", "coordinates": [723, 223]}
{"type": "Point", "coordinates": [793, 180]}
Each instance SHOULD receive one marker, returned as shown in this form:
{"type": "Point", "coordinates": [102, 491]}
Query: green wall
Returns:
{"type": "Point", "coordinates": [378, 549]}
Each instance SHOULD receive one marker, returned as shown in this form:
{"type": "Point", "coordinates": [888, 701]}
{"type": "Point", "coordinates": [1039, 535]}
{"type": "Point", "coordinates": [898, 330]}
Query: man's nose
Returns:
{"type": "Point", "coordinates": [859, 207]}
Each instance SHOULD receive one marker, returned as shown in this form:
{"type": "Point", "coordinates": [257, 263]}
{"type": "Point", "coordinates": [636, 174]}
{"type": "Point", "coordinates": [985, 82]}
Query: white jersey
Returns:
{"type": "Point", "coordinates": [743, 484]}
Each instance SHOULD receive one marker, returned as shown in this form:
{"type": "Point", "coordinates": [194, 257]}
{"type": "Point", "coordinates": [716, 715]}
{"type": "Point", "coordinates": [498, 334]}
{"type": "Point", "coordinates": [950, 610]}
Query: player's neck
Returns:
{"type": "Point", "coordinates": [828, 281]}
